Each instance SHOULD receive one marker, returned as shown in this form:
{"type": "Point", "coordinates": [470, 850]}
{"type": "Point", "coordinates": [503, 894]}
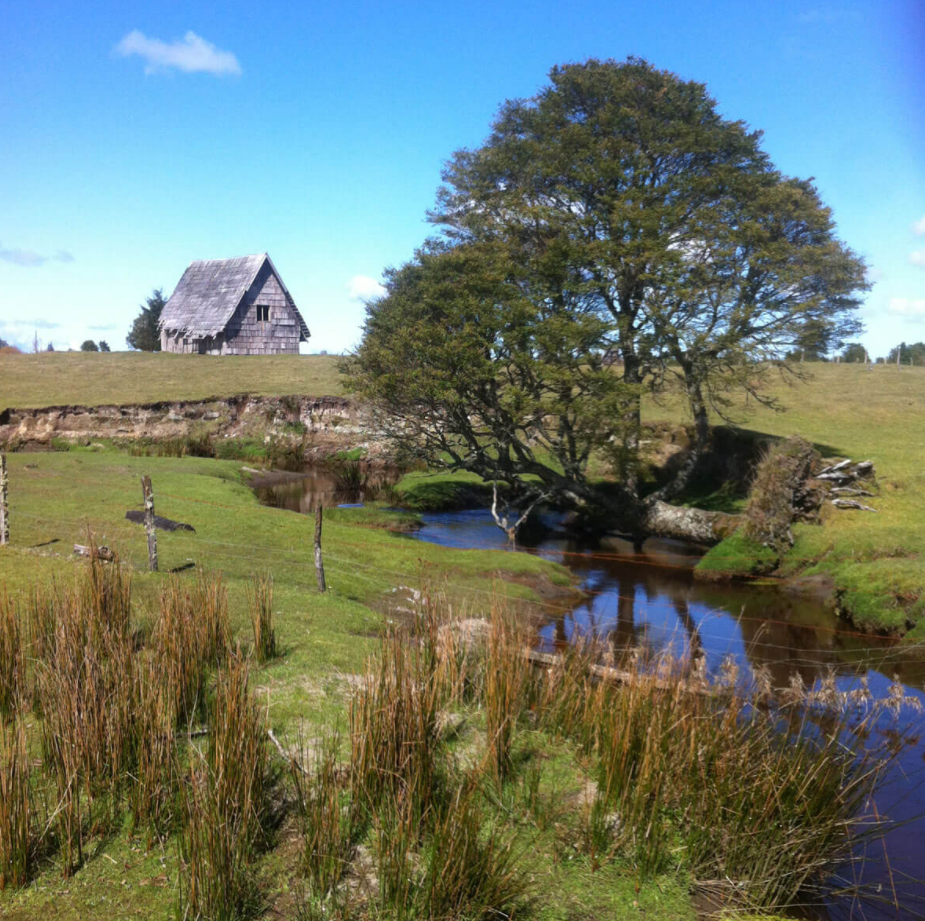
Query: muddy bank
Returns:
{"type": "Point", "coordinates": [324, 425]}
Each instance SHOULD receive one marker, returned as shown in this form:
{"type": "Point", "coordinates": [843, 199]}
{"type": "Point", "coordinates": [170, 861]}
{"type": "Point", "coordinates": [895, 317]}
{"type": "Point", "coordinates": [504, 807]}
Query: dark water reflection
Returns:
{"type": "Point", "coordinates": [352, 483]}
{"type": "Point", "coordinates": [650, 600]}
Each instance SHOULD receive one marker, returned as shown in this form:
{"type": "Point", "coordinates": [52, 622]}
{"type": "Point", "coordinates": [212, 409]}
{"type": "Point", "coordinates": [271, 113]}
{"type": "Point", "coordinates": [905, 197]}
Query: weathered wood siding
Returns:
{"type": "Point", "coordinates": [246, 335]}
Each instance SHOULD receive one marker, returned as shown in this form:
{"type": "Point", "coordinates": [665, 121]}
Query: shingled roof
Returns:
{"type": "Point", "coordinates": [210, 291]}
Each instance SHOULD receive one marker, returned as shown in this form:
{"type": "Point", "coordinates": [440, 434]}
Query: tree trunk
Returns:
{"type": "Point", "coordinates": [694, 524]}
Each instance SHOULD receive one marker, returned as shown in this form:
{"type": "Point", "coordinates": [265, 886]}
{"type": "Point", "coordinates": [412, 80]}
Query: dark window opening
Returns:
{"type": "Point", "coordinates": [263, 313]}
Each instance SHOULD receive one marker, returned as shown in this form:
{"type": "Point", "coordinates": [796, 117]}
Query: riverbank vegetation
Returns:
{"type": "Point", "coordinates": [463, 782]}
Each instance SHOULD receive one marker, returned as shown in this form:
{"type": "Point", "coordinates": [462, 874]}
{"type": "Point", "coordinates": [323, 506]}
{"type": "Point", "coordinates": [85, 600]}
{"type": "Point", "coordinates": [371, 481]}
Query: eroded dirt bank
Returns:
{"type": "Point", "coordinates": [324, 424]}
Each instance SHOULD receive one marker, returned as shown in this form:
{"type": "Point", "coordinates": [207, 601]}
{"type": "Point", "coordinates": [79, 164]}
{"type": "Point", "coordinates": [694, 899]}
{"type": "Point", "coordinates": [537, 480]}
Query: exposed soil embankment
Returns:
{"type": "Point", "coordinates": [324, 424]}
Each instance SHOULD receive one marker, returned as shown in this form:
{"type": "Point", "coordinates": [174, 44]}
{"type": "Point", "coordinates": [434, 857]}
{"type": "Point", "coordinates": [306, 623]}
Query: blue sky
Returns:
{"type": "Point", "coordinates": [137, 137]}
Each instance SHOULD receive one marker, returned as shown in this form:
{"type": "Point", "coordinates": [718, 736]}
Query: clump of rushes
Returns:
{"type": "Point", "coordinates": [152, 780]}
{"type": "Point", "coordinates": [190, 637]}
{"type": "Point", "coordinates": [394, 729]}
{"type": "Point", "coordinates": [328, 822]}
{"type": "Point", "coordinates": [764, 800]}
{"type": "Point", "coordinates": [12, 664]}
{"type": "Point", "coordinates": [210, 602]}
{"type": "Point", "coordinates": [226, 804]}
{"type": "Point", "coordinates": [504, 682]}
{"type": "Point", "coordinates": [262, 617]}
{"type": "Point", "coordinates": [469, 870]}
{"type": "Point", "coordinates": [17, 829]}
{"type": "Point", "coordinates": [84, 688]}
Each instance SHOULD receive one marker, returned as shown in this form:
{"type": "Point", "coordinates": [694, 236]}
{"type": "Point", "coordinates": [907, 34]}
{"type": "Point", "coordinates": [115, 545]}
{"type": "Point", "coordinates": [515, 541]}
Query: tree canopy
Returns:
{"type": "Point", "coordinates": [144, 334]}
{"type": "Point", "coordinates": [618, 207]}
{"type": "Point", "coordinates": [88, 345]}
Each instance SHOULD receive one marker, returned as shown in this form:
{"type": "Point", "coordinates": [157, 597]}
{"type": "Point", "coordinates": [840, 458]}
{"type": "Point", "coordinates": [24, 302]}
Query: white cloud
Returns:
{"type": "Point", "coordinates": [191, 55]}
{"type": "Point", "coordinates": [874, 274]}
{"type": "Point", "coordinates": [30, 259]}
{"type": "Point", "coordinates": [911, 308]}
{"type": "Point", "coordinates": [917, 257]}
{"type": "Point", "coordinates": [919, 226]}
{"type": "Point", "coordinates": [364, 288]}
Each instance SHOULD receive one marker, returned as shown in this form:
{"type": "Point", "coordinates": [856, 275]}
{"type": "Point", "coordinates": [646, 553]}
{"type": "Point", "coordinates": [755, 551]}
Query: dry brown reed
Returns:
{"type": "Point", "coordinates": [18, 834]}
{"type": "Point", "coordinates": [226, 803]}
{"type": "Point", "coordinates": [328, 822]}
{"type": "Point", "coordinates": [394, 728]}
{"type": "Point", "coordinates": [262, 617]}
{"type": "Point", "coordinates": [12, 661]}
{"type": "Point", "coordinates": [191, 636]}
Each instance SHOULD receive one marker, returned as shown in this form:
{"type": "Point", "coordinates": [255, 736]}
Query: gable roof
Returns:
{"type": "Point", "coordinates": [210, 291]}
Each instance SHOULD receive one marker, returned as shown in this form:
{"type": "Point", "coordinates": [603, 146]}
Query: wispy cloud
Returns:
{"type": "Point", "coordinates": [874, 274]}
{"type": "Point", "coordinates": [917, 257]}
{"type": "Point", "coordinates": [191, 54]}
{"type": "Point", "coordinates": [105, 328]}
{"type": "Point", "coordinates": [364, 288]}
{"type": "Point", "coordinates": [38, 323]}
{"type": "Point", "coordinates": [910, 308]}
{"type": "Point", "coordinates": [919, 226]}
{"type": "Point", "coordinates": [27, 257]}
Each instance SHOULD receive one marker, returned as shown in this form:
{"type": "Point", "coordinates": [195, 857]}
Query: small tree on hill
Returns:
{"type": "Point", "coordinates": [854, 353]}
{"type": "Point", "coordinates": [50, 347]}
{"type": "Point", "coordinates": [88, 345]}
{"type": "Point", "coordinates": [144, 334]}
{"type": "Point", "coordinates": [104, 346]}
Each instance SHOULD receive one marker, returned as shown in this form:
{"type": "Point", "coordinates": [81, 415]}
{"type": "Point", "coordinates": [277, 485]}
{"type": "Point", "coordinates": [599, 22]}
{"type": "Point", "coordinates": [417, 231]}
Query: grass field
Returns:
{"type": "Point", "coordinates": [94, 378]}
{"type": "Point", "coordinates": [877, 561]}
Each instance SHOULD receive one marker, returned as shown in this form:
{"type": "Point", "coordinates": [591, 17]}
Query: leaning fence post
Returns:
{"type": "Point", "coordinates": [4, 502]}
{"type": "Point", "coordinates": [148, 494]}
{"type": "Point", "coordinates": [319, 562]}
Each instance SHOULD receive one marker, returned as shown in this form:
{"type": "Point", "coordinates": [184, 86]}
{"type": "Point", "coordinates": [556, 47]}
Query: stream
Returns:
{"type": "Point", "coordinates": [651, 601]}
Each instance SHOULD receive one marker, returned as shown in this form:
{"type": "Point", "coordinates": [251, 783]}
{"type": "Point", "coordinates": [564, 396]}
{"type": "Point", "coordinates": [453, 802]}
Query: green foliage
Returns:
{"type": "Point", "coordinates": [144, 334]}
{"type": "Point", "coordinates": [854, 352]}
{"type": "Point", "coordinates": [104, 346]}
{"type": "Point", "coordinates": [88, 345]}
{"type": "Point", "coordinates": [912, 354]}
{"type": "Point", "coordinates": [475, 369]}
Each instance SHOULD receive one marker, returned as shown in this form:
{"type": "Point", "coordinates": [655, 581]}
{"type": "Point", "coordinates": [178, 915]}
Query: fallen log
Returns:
{"type": "Point", "coordinates": [162, 524]}
{"type": "Point", "coordinates": [852, 504]}
{"type": "Point", "coordinates": [96, 553]}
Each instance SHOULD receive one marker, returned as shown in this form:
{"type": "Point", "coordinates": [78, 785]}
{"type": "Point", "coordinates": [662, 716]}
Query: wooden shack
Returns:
{"type": "Point", "coordinates": [232, 307]}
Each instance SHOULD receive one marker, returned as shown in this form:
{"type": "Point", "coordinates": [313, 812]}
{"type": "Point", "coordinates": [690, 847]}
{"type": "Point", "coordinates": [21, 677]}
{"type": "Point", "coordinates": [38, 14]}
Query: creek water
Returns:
{"type": "Point", "coordinates": [651, 600]}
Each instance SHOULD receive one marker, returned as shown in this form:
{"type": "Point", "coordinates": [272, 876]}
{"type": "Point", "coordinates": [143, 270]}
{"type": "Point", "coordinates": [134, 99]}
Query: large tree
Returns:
{"type": "Point", "coordinates": [670, 221]}
{"type": "Point", "coordinates": [144, 334]}
{"type": "Point", "coordinates": [620, 197]}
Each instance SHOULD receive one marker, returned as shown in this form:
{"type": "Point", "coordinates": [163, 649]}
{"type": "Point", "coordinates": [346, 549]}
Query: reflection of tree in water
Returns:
{"type": "Point", "coordinates": [787, 634]}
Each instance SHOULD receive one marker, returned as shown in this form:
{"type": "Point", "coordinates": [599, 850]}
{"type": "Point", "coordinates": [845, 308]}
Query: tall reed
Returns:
{"type": "Point", "coordinates": [226, 803]}
{"type": "Point", "coordinates": [328, 822]}
{"type": "Point", "coordinates": [12, 661]}
{"type": "Point", "coordinates": [18, 835]}
{"type": "Point", "coordinates": [262, 617]}
{"type": "Point", "coordinates": [504, 683]}
{"type": "Point", "coordinates": [152, 779]}
{"type": "Point", "coordinates": [394, 731]}
{"type": "Point", "coordinates": [191, 636]}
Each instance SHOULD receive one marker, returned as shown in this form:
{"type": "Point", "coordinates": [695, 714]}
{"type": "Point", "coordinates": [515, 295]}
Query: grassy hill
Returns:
{"type": "Point", "coordinates": [876, 560]}
{"type": "Point", "coordinates": [93, 378]}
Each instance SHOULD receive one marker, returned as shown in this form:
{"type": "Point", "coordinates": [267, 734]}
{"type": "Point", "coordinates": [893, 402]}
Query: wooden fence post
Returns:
{"type": "Point", "coordinates": [319, 562]}
{"type": "Point", "coordinates": [148, 494]}
{"type": "Point", "coordinates": [4, 502]}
